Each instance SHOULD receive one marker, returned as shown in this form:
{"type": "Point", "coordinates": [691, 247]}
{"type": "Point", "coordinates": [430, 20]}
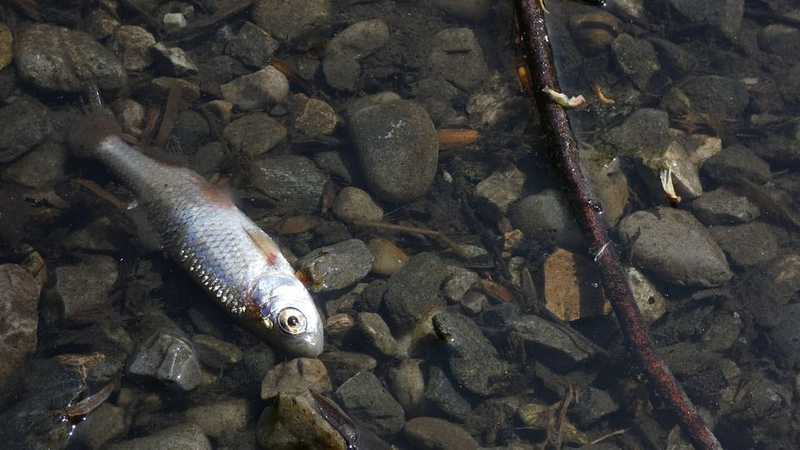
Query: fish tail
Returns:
{"type": "Point", "coordinates": [89, 131]}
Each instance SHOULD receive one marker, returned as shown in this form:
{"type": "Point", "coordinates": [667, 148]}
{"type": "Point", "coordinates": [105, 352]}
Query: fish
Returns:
{"type": "Point", "coordinates": [201, 228]}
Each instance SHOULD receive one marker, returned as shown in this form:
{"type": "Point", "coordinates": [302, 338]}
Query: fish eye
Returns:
{"type": "Point", "coordinates": [292, 321]}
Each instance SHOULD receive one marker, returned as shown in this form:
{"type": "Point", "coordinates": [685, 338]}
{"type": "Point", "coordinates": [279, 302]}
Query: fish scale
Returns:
{"type": "Point", "coordinates": [224, 251]}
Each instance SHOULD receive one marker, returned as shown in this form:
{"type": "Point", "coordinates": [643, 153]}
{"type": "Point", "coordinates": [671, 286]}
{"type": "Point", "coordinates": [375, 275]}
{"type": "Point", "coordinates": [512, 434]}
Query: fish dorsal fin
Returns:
{"type": "Point", "coordinates": [264, 244]}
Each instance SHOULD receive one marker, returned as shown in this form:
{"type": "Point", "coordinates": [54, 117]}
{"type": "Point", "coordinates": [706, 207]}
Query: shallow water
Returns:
{"type": "Point", "coordinates": [394, 153]}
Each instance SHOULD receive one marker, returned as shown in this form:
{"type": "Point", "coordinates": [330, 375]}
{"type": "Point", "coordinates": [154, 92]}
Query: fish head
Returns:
{"type": "Point", "coordinates": [287, 315]}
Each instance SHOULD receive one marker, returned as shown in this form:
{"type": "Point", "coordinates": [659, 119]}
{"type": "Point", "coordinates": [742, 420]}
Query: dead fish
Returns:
{"type": "Point", "coordinates": [201, 228]}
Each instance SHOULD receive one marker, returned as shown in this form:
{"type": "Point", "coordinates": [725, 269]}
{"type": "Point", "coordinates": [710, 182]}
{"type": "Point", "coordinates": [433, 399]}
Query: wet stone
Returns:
{"type": "Point", "coordinates": [252, 46]}
{"type": "Point", "coordinates": [475, 10]}
{"type": "Point", "coordinates": [26, 123]}
{"type": "Point", "coordinates": [185, 437]}
{"type": "Point", "coordinates": [98, 236]}
{"type": "Point", "coordinates": [258, 90]}
{"type": "Point", "coordinates": [292, 20]}
{"type": "Point", "coordinates": [336, 164]}
{"type": "Point", "coordinates": [432, 433]}
{"type": "Point", "coordinates": [458, 47]}
{"type": "Point", "coordinates": [725, 16]}
{"type": "Point", "coordinates": [759, 397]}
{"type": "Point", "coordinates": [291, 181]}
{"type": "Point", "coordinates": [341, 64]}
{"type": "Point", "coordinates": [501, 188]}
{"type": "Point", "coordinates": [461, 281]}
{"type": "Point", "coordinates": [473, 360]}
{"type": "Point", "coordinates": [591, 405]}
{"type": "Point", "coordinates": [398, 149]}
{"type": "Point", "coordinates": [337, 266]}
{"type": "Point", "coordinates": [216, 353]}
{"type": "Point", "coordinates": [720, 97]}
{"type": "Point", "coordinates": [130, 116]}
{"type": "Point", "coordinates": [312, 117]}
{"type": "Point", "coordinates": [546, 217]}
{"type": "Point", "coordinates": [443, 397]}
{"type": "Point", "coordinates": [376, 334]}
{"type": "Point", "coordinates": [42, 52]}
{"type": "Point", "coordinates": [412, 294]}
{"type": "Point", "coordinates": [389, 258]}
{"type": "Point", "coordinates": [343, 365]}
{"type": "Point", "coordinates": [254, 134]}
{"type": "Point", "coordinates": [104, 424]}
{"type": "Point", "coordinates": [297, 422]}
{"type": "Point", "coordinates": [644, 132]}
{"type": "Point", "coordinates": [538, 334]}
{"type": "Point", "coordinates": [355, 205]}
{"type": "Point", "coordinates": [220, 417]}
{"type": "Point", "coordinates": [734, 162]}
{"type": "Point", "coordinates": [132, 45]}
{"type": "Point", "coordinates": [769, 286]}
{"type": "Point", "coordinates": [779, 39]}
{"type": "Point", "coordinates": [168, 357]}
{"type": "Point", "coordinates": [40, 168]}
{"type": "Point", "coordinates": [652, 305]}
{"type": "Point", "coordinates": [82, 290]}
{"type": "Point", "coordinates": [295, 377]}
{"type": "Point", "coordinates": [748, 244]}
{"type": "Point", "coordinates": [190, 129]}
{"type": "Point", "coordinates": [785, 337]}
{"type": "Point", "coordinates": [19, 318]}
{"type": "Point", "coordinates": [571, 286]}
{"type": "Point", "coordinates": [208, 158]}
{"type": "Point", "coordinates": [365, 398]}
{"type": "Point", "coordinates": [637, 58]}
{"type": "Point", "coordinates": [6, 46]}
{"type": "Point", "coordinates": [675, 247]}
{"type": "Point", "coordinates": [723, 207]}
{"type": "Point", "coordinates": [407, 384]}
{"type": "Point", "coordinates": [174, 61]}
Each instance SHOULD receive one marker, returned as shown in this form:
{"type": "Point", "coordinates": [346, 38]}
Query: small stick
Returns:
{"type": "Point", "coordinates": [170, 114]}
{"type": "Point", "coordinates": [102, 193]}
{"type": "Point", "coordinates": [456, 138]}
{"type": "Point", "coordinates": [416, 230]}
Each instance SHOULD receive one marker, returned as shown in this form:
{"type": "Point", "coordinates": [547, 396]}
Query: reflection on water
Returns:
{"type": "Point", "coordinates": [390, 149]}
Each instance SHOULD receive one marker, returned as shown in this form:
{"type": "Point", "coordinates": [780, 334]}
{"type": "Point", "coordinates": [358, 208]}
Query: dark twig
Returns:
{"type": "Point", "coordinates": [533, 33]}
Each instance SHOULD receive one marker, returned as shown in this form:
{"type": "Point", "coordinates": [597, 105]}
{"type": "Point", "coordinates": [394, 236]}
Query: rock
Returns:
{"type": "Point", "coordinates": [341, 64]}
{"type": "Point", "coordinates": [254, 134]}
{"type": "Point", "coordinates": [191, 129]}
{"type": "Point", "coordinates": [496, 103]}
{"type": "Point", "coordinates": [594, 31]}
{"type": "Point", "coordinates": [336, 164]}
{"type": "Point", "coordinates": [398, 149]}
{"type": "Point", "coordinates": [299, 422]}
{"type": "Point", "coordinates": [637, 58]}
{"type": "Point", "coordinates": [82, 291]}
{"type": "Point", "coordinates": [747, 245]}
{"type": "Point", "coordinates": [292, 20]}
{"type": "Point", "coordinates": [473, 360]}
{"type": "Point", "coordinates": [675, 247]}
{"type": "Point", "coordinates": [646, 131]}
{"type": "Point", "coordinates": [101, 24]}
{"type": "Point", "coordinates": [41, 55]}
{"type": "Point", "coordinates": [458, 47]}
{"type": "Point", "coordinates": [41, 168]}
{"type": "Point", "coordinates": [412, 294]}
{"type": "Point", "coordinates": [766, 288]}
{"type": "Point", "coordinates": [252, 45]}
{"type": "Point", "coordinates": [130, 116]}
{"type": "Point", "coordinates": [312, 117]}
{"type": "Point", "coordinates": [364, 397]}
{"type": "Point", "coordinates": [443, 397]}
{"type": "Point", "coordinates": [376, 334]}
{"type": "Point", "coordinates": [26, 123]}
{"type": "Point", "coordinates": [722, 331]}
{"type": "Point", "coordinates": [474, 303]}
{"type": "Point", "coordinates": [343, 365]}
{"type": "Point", "coordinates": [540, 334]}
{"type": "Point", "coordinates": [723, 207]}
{"type": "Point", "coordinates": [258, 90]}
{"type": "Point", "coordinates": [546, 217]}
{"type": "Point", "coordinates": [674, 58]}
{"type": "Point", "coordinates": [725, 16]}
{"type": "Point", "coordinates": [337, 266]}
{"type": "Point", "coordinates": [174, 21]}
{"type": "Point", "coordinates": [717, 97]}
{"type": "Point", "coordinates": [220, 417]}
{"type": "Point", "coordinates": [6, 46]}
{"type": "Point", "coordinates": [437, 434]}
{"type": "Point", "coordinates": [162, 85]}
{"type": "Point", "coordinates": [168, 357]}
{"type": "Point", "coordinates": [19, 319]}
{"type": "Point", "coordinates": [779, 39]}
{"type": "Point", "coordinates": [652, 305]}
{"type": "Point", "coordinates": [208, 158]}
{"type": "Point", "coordinates": [734, 162]}
{"type": "Point", "coordinates": [355, 205]}
{"type": "Point", "coordinates": [216, 353]}
{"type": "Point", "coordinates": [572, 287]}
{"type": "Point", "coordinates": [501, 188]}
{"type": "Point", "coordinates": [104, 424]}
{"type": "Point", "coordinates": [295, 377]}
{"type": "Point", "coordinates": [758, 397]}
{"type": "Point", "coordinates": [132, 44]}
{"type": "Point", "coordinates": [474, 10]}
{"type": "Point", "coordinates": [185, 437]}
{"type": "Point", "coordinates": [290, 181]}
{"type": "Point", "coordinates": [174, 61]}
{"type": "Point", "coordinates": [98, 236]}
{"type": "Point", "coordinates": [388, 258]}
{"type": "Point", "coordinates": [591, 405]}
{"type": "Point", "coordinates": [461, 280]}
{"type": "Point", "coordinates": [407, 384]}
{"type": "Point", "coordinates": [608, 182]}
{"type": "Point", "coordinates": [785, 337]}
{"type": "Point", "coordinates": [683, 173]}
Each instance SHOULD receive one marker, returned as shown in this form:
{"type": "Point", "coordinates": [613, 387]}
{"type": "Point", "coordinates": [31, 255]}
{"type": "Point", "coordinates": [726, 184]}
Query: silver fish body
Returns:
{"type": "Point", "coordinates": [224, 251]}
